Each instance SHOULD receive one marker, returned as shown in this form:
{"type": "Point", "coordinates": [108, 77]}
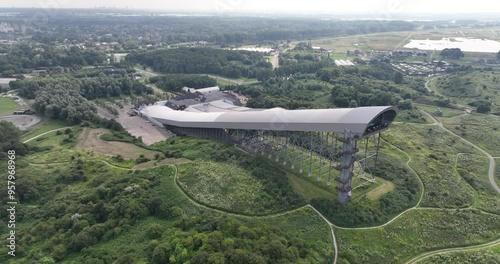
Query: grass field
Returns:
{"type": "Point", "coordinates": [384, 188]}
{"type": "Point", "coordinates": [44, 126]}
{"type": "Point", "coordinates": [486, 255]}
{"type": "Point", "coordinates": [413, 116]}
{"type": "Point", "coordinates": [474, 169]}
{"type": "Point", "coordinates": [416, 232]}
{"type": "Point", "coordinates": [433, 152]}
{"type": "Point", "coordinates": [125, 230]}
{"type": "Point", "coordinates": [447, 112]}
{"type": "Point", "coordinates": [8, 106]}
{"type": "Point", "coordinates": [396, 40]}
{"type": "Point", "coordinates": [385, 41]}
{"type": "Point", "coordinates": [163, 162]}
{"type": "Point", "coordinates": [307, 189]}
{"type": "Point", "coordinates": [227, 186]}
{"type": "Point", "coordinates": [497, 171]}
{"type": "Point", "coordinates": [469, 87]}
{"type": "Point", "coordinates": [482, 130]}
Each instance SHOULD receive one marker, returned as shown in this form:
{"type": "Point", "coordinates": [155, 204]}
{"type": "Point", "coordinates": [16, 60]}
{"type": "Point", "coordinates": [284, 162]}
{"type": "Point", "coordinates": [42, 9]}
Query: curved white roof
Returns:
{"type": "Point", "coordinates": [358, 120]}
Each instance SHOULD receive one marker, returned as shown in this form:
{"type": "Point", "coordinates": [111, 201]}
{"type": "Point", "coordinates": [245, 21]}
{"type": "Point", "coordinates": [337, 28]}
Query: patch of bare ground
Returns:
{"type": "Point", "coordinates": [91, 139]}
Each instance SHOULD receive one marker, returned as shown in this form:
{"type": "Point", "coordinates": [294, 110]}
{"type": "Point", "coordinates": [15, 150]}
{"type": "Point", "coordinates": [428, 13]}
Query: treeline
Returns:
{"type": "Point", "coordinates": [63, 101]}
{"type": "Point", "coordinates": [67, 98]}
{"type": "Point", "coordinates": [228, 63]}
{"type": "Point", "coordinates": [10, 139]}
{"type": "Point", "coordinates": [454, 53]}
{"type": "Point", "coordinates": [89, 87]}
{"type": "Point", "coordinates": [219, 29]}
{"type": "Point", "coordinates": [23, 56]}
{"type": "Point", "coordinates": [301, 66]}
{"type": "Point", "coordinates": [362, 85]}
{"type": "Point", "coordinates": [175, 82]}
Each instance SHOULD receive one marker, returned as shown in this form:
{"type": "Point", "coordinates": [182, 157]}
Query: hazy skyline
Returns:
{"type": "Point", "coordinates": [268, 6]}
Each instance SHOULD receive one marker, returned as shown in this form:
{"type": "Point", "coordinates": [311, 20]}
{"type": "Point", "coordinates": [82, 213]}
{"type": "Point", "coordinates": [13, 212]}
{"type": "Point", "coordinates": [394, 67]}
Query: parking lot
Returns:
{"type": "Point", "coordinates": [138, 127]}
{"type": "Point", "coordinates": [22, 122]}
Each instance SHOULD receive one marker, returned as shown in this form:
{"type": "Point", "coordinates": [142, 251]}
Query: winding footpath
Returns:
{"type": "Point", "coordinates": [43, 134]}
{"type": "Point", "coordinates": [457, 249]}
{"type": "Point", "coordinates": [491, 170]}
{"type": "Point", "coordinates": [331, 225]}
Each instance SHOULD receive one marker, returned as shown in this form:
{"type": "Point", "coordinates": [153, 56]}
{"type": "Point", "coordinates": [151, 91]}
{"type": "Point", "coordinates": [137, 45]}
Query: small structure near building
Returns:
{"type": "Point", "coordinates": [202, 90]}
{"type": "Point", "coordinates": [23, 112]}
{"type": "Point", "coordinates": [438, 112]}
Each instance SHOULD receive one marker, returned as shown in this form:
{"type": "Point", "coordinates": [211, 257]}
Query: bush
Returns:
{"type": "Point", "coordinates": [434, 156]}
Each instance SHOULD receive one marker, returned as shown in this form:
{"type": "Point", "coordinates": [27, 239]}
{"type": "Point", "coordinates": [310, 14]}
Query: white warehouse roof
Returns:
{"type": "Point", "coordinates": [202, 90]}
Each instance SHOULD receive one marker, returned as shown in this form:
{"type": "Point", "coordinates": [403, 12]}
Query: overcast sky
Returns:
{"type": "Point", "coordinates": [277, 6]}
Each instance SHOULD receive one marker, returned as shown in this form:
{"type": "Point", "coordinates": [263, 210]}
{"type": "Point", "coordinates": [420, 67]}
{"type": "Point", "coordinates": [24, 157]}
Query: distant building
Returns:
{"type": "Point", "coordinates": [202, 90]}
{"type": "Point", "coordinates": [22, 112]}
{"type": "Point", "coordinates": [344, 63]}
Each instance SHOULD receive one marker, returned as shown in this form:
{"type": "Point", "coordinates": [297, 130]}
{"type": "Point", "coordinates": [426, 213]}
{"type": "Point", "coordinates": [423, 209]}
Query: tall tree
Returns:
{"type": "Point", "coordinates": [9, 138]}
{"type": "Point", "coordinates": [398, 77]}
{"type": "Point", "coordinates": [454, 53]}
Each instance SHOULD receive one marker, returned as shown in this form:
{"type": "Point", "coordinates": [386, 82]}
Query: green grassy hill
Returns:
{"type": "Point", "coordinates": [84, 210]}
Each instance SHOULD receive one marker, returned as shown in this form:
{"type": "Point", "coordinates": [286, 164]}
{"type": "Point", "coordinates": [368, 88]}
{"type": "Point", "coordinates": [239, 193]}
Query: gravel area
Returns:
{"type": "Point", "coordinates": [138, 127]}
{"type": "Point", "coordinates": [22, 122]}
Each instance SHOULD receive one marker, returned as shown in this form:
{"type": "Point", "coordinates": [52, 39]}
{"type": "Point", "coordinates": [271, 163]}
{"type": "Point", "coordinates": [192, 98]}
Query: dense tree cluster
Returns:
{"type": "Point", "coordinates": [23, 56]}
{"type": "Point", "coordinates": [63, 101]}
{"type": "Point", "coordinates": [229, 63]}
{"type": "Point", "coordinates": [453, 53]}
{"type": "Point", "coordinates": [89, 87]}
{"type": "Point", "coordinates": [367, 85]}
{"type": "Point", "coordinates": [304, 66]}
{"type": "Point", "coordinates": [66, 98]}
{"type": "Point", "coordinates": [482, 106]}
{"type": "Point", "coordinates": [9, 139]}
{"type": "Point", "coordinates": [174, 82]}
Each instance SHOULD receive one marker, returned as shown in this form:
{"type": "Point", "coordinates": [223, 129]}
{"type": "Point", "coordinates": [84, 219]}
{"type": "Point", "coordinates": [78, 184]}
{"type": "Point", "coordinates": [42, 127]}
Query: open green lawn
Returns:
{"type": "Point", "coordinates": [416, 232]}
{"type": "Point", "coordinates": [8, 106]}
